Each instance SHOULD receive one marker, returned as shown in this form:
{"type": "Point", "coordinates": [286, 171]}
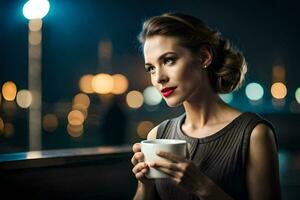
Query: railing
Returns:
{"type": "Point", "coordinates": [86, 173]}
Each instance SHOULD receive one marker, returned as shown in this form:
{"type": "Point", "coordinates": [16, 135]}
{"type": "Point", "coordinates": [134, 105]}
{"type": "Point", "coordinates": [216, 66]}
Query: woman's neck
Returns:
{"type": "Point", "coordinates": [205, 111]}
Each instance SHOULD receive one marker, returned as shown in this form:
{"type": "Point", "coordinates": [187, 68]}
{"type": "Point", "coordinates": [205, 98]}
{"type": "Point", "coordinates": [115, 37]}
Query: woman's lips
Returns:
{"type": "Point", "coordinates": [168, 91]}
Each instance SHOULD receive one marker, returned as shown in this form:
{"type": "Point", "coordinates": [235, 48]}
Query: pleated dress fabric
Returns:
{"type": "Point", "coordinates": [221, 156]}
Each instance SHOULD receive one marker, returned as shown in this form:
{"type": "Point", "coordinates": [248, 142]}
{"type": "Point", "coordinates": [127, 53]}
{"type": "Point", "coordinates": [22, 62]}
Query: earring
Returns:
{"type": "Point", "coordinates": [205, 66]}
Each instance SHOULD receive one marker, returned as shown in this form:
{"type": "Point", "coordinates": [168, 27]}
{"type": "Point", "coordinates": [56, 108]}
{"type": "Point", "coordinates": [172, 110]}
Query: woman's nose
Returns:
{"type": "Point", "coordinates": [161, 76]}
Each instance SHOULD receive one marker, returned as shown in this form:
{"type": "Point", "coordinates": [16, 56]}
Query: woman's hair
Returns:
{"type": "Point", "coordinates": [227, 70]}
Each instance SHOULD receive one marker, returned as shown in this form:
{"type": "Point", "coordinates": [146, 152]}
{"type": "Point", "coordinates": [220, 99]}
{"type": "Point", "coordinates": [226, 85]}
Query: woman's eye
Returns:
{"type": "Point", "coordinates": [169, 61]}
{"type": "Point", "coordinates": [150, 69]}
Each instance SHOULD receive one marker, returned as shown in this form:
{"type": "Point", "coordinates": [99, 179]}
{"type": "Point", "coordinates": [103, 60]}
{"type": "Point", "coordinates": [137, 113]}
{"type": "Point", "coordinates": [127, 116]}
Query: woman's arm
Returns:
{"type": "Point", "coordinates": [262, 165]}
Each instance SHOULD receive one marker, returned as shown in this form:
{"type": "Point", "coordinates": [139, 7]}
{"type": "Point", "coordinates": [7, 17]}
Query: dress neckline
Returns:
{"type": "Point", "coordinates": [210, 137]}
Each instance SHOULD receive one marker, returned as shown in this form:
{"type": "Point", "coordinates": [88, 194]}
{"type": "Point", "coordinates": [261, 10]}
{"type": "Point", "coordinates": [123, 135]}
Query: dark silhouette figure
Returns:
{"type": "Point", "coordinates": [114, 124]}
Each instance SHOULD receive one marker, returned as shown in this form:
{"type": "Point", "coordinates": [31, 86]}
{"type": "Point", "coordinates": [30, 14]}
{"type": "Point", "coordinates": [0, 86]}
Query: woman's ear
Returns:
{"type": "Point", "coordinates": [206, 56]}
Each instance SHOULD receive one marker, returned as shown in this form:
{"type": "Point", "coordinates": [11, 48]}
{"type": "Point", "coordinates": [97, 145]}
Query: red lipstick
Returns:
{"type": "Point", "coordinates": [168, 91]}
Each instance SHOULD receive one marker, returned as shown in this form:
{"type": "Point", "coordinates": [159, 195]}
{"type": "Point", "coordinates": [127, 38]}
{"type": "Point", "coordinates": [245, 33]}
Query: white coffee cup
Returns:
{"type": "Point", "coordinates": [150, 148]}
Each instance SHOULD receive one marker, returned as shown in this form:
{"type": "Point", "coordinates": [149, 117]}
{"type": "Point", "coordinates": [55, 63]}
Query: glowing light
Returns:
{"type": "Point", "coordinates": [9, 91]}
{"type": "Point", "coordinates": [297, 95]}
{"type": "Point", "coordinates": [85, 83]}
{"type": "Point", "coordinates": [24, 98]}
{"type": "Point", "coordinates": [0, 98]}
{"type": "Point", "coordinates": [103, 83]}
{"type": "Point", "coordinates": [75, 131]}
{"type": "Point", "coordinates": [278, 90]}
{"type": "Point", "coordinates": [81, 100]}
{"type": "Point", "coordinates": [35, 38]}
{"type": "Point", "coordinates": [120, 84]}
{"type": "Point", "coordinates": [254, 91]}
{"type": "Point", "coordinates": [226, 97]}
{"type": "Point", "coordinates": [36, 9]}
{"type": "Point", "coordinates": [134, 99]}
{"type": "Point", "coordinates": [34, 154]}
{"type": "Point", "coordinates": [152, 96]}
{"type": "Point", "coordinates": [9, 129]}
{"type": "Point", "coordinates": [35, 25]}
{"type": "Point", "coordinates": [75, 118]}
{"type": "Point", "coordinates": [144, 128]}
{"type": "Point", "coordinates": [80, 108]}
{"type": "Point", "coordinates": [50, 122]}
{"type": "Point", "coordinates": [1, 125]}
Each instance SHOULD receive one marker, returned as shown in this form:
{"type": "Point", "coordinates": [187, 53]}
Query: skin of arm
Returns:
{"type": "Point", "coordinates": [146, 188]}
{"type": "Point", "coordinates": [262, 165]}
{"type": "Point", "coordinates": [262, 174]}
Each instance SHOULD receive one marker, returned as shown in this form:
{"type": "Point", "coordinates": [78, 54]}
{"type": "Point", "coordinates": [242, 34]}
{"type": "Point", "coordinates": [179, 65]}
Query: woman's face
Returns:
{"type": "Point", "coordinates": [174, 70]}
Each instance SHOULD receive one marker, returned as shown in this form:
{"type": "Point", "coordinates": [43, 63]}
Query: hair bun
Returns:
{"type": "Point", "coordinates": [232, 69]}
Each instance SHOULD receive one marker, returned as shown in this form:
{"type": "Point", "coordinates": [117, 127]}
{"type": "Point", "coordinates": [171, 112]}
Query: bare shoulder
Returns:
{"type": "Point", "coordinates": [262, 134]}
{"type": "Point", "coordinates": [262, 165]}
{"type": "Point", "coordinates": [152, 134]}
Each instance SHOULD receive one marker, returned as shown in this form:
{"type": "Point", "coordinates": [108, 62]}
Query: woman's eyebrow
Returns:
{"type": "Point", "coordinates": [161, 57]}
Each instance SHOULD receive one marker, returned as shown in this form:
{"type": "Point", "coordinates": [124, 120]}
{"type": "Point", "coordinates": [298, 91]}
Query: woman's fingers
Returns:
{"type": "Point", "coordinates": [136, 147]}
{"type": "Point", "coordinates": [167, 165]}
{"type": "Point", "coordinates": [139, 167]}
{"type": "Point", "coordinates": [171, 156]}
{"type": "Point", "coordinates": [137, 157]}
{"type": "Point", "coordinates": [172, 173]}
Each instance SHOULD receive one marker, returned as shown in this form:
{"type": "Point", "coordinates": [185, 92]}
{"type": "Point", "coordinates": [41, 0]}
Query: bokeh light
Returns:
{"type": "Point", "coordinates": [103, 83]}
{"type": "Point", "coordinates": [24, 98]}
{"type": "Point", "coordinates": [75, 130]}
{"type": "Point", "coordinates": [120, 84]}
{"type": "Point", "coordinates": [85, 83]}
{"type": "Point", "coordinates": [80, 108]}
{"type": "Point", "coordinates": [134, 99]}
{"type": "Point", "coordinates": [81, 100]}
{"type": "Point", "coordinates": [228, 98]}
{"type": "Point", "coordinates": [75, 118]}
{"type": "Point", "coordinates": [254, 91]}
{"type": "Point", "coordinates": [50, 122]}
{"type": "Point", "coordinates": [35, 25]}
{"type": "Point", "coordinates": [144, 128]}
{"type": "Point", "coordinates": [297, 95]}
{"type": "Point", "coordinates": [9, 91]}
{"type": "Point", "coordinates": [152, 96]}
{"type": "Point", "coordinates": [278, 90]}
{"type": "Point", "coordinates": [36, 9]}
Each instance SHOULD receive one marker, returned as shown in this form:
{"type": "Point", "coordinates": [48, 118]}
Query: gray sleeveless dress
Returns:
{"type": "Point", "coordinates": [221, 156]}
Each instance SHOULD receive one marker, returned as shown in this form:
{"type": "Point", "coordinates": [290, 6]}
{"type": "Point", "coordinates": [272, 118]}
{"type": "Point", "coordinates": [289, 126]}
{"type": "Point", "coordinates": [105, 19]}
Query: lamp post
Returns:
{"type": "Point", "coordinates": [34, 11]}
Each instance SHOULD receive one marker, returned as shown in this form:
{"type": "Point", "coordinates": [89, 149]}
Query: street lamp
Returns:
{"type": "Point", "coordinates": [34, 11]}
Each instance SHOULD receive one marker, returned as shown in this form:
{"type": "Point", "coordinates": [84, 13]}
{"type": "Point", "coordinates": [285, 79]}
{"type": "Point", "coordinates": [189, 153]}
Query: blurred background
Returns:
{"type": "Point", "coordinates": [84, 61]}
{"type": "Point", "coordinates": [75, 78]}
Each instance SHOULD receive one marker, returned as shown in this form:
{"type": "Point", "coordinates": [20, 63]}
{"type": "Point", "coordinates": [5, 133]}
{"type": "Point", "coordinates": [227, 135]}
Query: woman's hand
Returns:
{"type": "Point", "coordinates": [182, 171]}
{"type": "Point", "coordinates": [140, 167]}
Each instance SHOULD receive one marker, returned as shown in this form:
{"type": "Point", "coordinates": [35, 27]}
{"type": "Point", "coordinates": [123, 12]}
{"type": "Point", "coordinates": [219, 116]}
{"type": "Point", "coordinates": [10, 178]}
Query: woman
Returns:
{"type": "Point", "coordinates": [232, 155]}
